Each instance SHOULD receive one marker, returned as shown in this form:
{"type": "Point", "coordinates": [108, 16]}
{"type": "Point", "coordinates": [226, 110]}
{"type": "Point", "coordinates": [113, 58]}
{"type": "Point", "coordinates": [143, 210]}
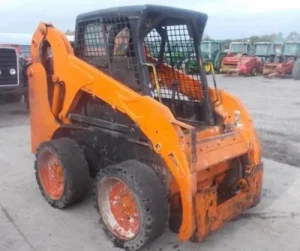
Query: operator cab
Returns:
{"type": "Point", "coordinates": [210, 49]}
{"type": "Point", "coordinates": [264, 49]}
{"type": "Point", "coordinates": [291, 51]}
{"type": "Point", "coordinates": [239, 48]}
{"type": "Point", "coordinates": [147, 50]}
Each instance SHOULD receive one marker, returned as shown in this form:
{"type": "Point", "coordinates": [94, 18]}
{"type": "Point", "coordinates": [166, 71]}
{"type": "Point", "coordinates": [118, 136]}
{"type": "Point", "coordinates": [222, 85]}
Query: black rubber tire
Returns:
{"type": "Point", "coordinates": [75, 171]}
{"type": "Point", "coordinates": [296, 70]}
{"type": "Point", "coordinates": [219, 64]}
{"type": "Point", "coordinates": [150, 195]}
{"type": "Point", "coordinates": [254, 72]}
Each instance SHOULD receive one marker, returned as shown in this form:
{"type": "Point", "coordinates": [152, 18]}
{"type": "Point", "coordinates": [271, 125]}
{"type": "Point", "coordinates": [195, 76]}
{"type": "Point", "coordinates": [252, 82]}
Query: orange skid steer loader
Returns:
{"type": "Point", "coordinates": [163, 147]}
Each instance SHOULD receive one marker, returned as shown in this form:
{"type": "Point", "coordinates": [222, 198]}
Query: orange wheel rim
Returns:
{"type": "Point", "coordinates": [51, 175]}
{"type": "Point", "coordinates": [118, 208]}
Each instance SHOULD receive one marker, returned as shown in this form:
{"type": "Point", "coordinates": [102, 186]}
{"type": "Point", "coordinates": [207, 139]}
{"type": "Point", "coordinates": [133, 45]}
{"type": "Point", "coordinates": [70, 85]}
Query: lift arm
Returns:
{"type": "Point", "coordinates": [77, 76]}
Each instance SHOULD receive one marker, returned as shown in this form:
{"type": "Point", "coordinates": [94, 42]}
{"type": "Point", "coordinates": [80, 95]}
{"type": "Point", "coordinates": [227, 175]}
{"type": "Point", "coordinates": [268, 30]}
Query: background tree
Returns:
{"type": "Point", "coordinates": [69, 32]}
{"type": "Point", "coordinates": [206, 37]}
{"type": "Point", "coordinates": [293, 36]}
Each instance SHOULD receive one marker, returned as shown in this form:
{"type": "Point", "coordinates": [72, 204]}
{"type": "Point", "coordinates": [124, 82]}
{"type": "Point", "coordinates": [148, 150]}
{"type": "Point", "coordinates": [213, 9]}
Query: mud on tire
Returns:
{"type": "Point", "coordinates": [74, 172]}
{"type": "Point", "coordinates": [149, 196]}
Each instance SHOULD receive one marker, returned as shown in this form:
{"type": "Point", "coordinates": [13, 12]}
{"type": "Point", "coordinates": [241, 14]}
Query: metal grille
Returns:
{"type": "Point", "coordinates": [174, 64]}
{"type": "Point", "coordinates": [8, 61]}
{"type": "Point", "coordinates": [107, 44]}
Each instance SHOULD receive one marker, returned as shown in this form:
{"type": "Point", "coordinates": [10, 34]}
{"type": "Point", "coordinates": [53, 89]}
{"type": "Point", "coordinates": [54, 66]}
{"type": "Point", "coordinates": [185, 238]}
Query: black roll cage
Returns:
{"type": "Point", "coordinates": [139, 28]}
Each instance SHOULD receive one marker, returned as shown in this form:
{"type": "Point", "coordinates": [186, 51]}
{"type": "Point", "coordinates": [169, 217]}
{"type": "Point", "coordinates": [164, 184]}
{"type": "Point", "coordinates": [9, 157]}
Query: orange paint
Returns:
{"type": "Point", "coordinates": [169, 137]}
{"type": "Point", "coordinates": [211, 216]}
{"type": "Point", "coordinates": [187, 84]}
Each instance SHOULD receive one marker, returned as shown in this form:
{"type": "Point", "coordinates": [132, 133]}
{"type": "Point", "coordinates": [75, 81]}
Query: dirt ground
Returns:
{"type": "Point", "coordinates": [29, 223]}
{"type": "Point", "coordinates": [274, 106]}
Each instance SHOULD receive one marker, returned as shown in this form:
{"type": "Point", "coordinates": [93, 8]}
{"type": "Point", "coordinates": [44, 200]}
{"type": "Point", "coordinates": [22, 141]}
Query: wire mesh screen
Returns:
{"type": "Point", "coordinates": [172, 50]}
{"type": "Point", "coordinates": [107, 44]}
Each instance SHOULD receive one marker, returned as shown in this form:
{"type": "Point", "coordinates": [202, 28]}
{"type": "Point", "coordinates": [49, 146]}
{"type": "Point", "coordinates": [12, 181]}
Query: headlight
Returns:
{"type": "Point", "coordinates": [12, 71]}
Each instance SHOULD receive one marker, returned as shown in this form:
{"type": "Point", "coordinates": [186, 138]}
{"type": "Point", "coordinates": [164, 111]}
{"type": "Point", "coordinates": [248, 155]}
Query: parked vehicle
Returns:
{"type": "Point", "coordinates": [284, 65]}
{"type": "Point", "coordinates": [15, 55]}
{"type": "Point", "coordinates": [212, 56]}
{"type": "Point", "coordinates": [12, 66]}
{"type": "Point", "coordinates": [272, 61]}
{"type": "Point", "coordinates": [164, 148]}
{"type": "Point", "coordinates": [236, 51]}
{"type": "Point", "coordinates": [181, 51]}
{"type": "Point", "coordinates": [252, 65]}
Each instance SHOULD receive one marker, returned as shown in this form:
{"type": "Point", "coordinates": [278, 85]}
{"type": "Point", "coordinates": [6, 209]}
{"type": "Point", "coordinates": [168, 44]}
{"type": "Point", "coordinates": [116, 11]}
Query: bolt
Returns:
{"type": "Point", "coordinates": [158, 147]}
{"type": "Point", "coordinates": [55, 78]}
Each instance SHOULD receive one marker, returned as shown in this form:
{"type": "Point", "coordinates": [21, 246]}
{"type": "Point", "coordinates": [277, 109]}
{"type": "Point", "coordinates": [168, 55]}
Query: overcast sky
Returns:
{"type": "Point", "coordinates": [227, 19]}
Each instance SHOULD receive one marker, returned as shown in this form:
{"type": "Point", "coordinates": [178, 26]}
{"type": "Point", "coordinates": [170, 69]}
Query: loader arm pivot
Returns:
{"type": "Point", "coordinates": [76, 76]}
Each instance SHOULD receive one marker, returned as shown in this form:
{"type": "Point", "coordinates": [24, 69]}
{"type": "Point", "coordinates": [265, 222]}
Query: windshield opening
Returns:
{"type": "Point", "coordinates": [238, 48]}
{"type": "Point", "coordinates": [174, 61]}
{"type": "Point", "coordinates": [291, 50]}
{"type": "Point", "coordinates": [172, 51]}
{"type": "Point", "coordinates": [205, 50]}
{"type": "Point", "coordinates": [264, 50]}
{"type": "Point", "coordinates": [204, 47]}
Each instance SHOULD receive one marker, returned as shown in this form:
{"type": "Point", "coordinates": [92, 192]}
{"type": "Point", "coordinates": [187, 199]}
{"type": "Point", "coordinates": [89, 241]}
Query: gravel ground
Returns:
{"type": "Point", "coordinates": [29, 223]}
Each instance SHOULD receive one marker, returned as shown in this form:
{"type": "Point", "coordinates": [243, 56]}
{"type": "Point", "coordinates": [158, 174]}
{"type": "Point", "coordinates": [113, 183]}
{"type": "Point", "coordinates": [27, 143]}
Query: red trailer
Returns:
{"type": "Point", "coordinates": [236, 51]}
{"type": "Point", "coordinates": [253, 65]}
{"type": "Point", "coordinates": [285, 65]}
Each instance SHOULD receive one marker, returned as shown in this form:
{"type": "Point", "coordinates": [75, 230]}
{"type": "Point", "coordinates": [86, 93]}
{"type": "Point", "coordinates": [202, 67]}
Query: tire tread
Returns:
{"type": "Point", "coordinates": [76, 171]}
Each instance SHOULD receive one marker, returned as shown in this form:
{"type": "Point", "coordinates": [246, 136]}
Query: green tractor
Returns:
{"type": "Point", "coordinates": [212, 57]}
{"type": "Point", "coordinates": [180, 52]}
